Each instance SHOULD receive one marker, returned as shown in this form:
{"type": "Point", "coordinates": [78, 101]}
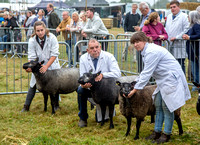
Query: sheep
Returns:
{"type": "Point", "coordinates": [198, 100]}
{"type": "Point", "coordinates": [105, 93]}
{"type": "Point", "coordinates": [140, 105]}
{"type": "Point", "coordinates": [54, 82]}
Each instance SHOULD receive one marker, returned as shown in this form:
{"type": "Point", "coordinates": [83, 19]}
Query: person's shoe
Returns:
{"type": "Point", "coordinates": [154, 136]}
{"type": "Point", "coordinates": [82, 123]}
{"type": "Point", "coordinates": [26, 108]}
{"type": "Point", "coordinates": [163, 138]}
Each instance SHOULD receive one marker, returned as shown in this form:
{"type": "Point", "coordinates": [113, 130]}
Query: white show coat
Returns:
{"type": "Point", "coordinates": [108, 66]}
{"type": "Point", "coordinates": [176, 28]}
{"type": "Point", "coordinates": [167, 72]}
{"type": "Point", "coordinates": [51, 48]}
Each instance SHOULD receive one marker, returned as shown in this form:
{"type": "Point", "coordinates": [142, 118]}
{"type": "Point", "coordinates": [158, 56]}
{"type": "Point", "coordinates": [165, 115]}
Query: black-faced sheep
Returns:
{"type": "Point", "coordinates": [52, 82]}
{"type": "Point", "coordinates": [139, 105]}
{"type": "Point", "coordinates": [105, 93]}
{"type": "Point", "coordinates": [198, 100]}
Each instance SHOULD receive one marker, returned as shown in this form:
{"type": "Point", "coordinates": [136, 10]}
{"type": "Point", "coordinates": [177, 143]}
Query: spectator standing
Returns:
{"type": "Point", "coordinates": [131, 19]}
{"type": "Point", "coordinates": [96, 27]}
{"type": "Point", "coordinates": [119, 19]}
{"type": "Point", "coordinates": [40, 17]}
{"type": "Point", "coordinates": [106, 63]}
{"type": "Point", "coordinates": [192, 47]}
{"type": "Point", "coordinates": [177, 24]}
{"type": "Point", "coordinates": [52, 19]}
{"type": "Point", "coordinates": [66, 34]}
{"type": "Point", "coordinates": [42, 45]}
{"type": "Point", "coordinates": [154, 29]}
{"type": "Point", "coordinates": [28, 14]}
{"type": "Point", "coordinates": [28, 24]}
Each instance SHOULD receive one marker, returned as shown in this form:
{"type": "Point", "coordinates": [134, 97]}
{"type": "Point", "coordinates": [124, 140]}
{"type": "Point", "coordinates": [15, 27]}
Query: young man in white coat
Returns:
{"type": "Point", "coordinates": [42, 45]}
{"type": "Point", "coordinates": [172, 89]}
{"type": "Point", "coordinates": [177, 24]}
{"type": "Point", "coordinates": [106, 63]}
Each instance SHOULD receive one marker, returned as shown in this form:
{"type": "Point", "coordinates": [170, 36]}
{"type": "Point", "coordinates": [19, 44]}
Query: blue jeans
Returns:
{"type": "Point", "coordinates": [1, 46]}
{"type": "Point", "coordinates": [163, 115]}
{"type": "Point", "coordinates": [195, 70]}
{"type": "Point", "coordinates": [182, 63]}
{"type": "Point", "coordinates": [83, 95]}
{"type": "Point", "coordinates": [67, 48]}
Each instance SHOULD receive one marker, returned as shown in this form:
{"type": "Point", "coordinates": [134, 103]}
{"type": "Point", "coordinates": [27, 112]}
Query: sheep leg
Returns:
{"type": "Point", "coordinates": [152, 118]}
{"type": "Point", "coordinates": [52, 103]}
{"type": "Point", "coordinates": [103, 112]}
{"type": "Point", "coordinates": [111, 111]}
{"type": "Point", "coordinates": [56, 107]}
{"type": "Point", "coordinates": [138, 124]}
{"type": "Point", "coordinates": [45, 95]}
{"type": "Point", "coordinates": [128, 125]}
{"type": "Point", "coordinates": [178, 121]}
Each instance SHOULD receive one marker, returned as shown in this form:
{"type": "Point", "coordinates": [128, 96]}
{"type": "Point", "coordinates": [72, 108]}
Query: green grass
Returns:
{"type": "Point", "coordinates": [39, 127]}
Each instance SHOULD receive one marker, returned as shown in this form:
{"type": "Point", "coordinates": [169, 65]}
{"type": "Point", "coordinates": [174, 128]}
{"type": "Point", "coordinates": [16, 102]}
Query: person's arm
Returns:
{"type": "Point", "coordinates": [196, 29]}
{"type": "Point", "coordinates": [44, 68]}
{"type": "Point", "coordinates": [95, 27]}
{"type": "Point", "coordinates": [185, 26]}
{"type": "Point", "coordinates": [126, 22]}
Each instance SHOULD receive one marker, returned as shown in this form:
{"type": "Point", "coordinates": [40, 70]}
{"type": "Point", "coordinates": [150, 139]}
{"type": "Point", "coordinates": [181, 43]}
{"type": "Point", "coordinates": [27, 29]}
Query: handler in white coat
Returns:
{"type": "Point", "coordinates": [42, 45]}
{"type": "Point", "coordinates": [172, 89]}
{"type": "Point", "coordinates": [106, 63]}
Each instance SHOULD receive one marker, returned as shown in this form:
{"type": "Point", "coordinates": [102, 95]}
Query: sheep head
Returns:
{"type": "Point", "coordinates": [34, 65]}
{"type": "Point", "coordinates": [198, 100]}
{"type": "Point", "coordinates": [125, 88]}
{"type": "Point", "coordinates": [88, 77]}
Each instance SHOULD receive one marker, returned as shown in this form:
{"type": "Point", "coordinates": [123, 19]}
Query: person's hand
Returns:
{"type": "Point", "coordinates": [173, 38]}
{"type": "Point", "coordinates": [137, 28]}
{"type": "Point", "coordinates": [185, 37]}
{"type": "Point", "coordinates": [57, 29]}
{"type": "Point", "coordinates": [83, 34]}
{"type": "Point", "coordinates": [67, 28]}
{"type": "Point", "coordinates": [132, 93]}
{"type": "Point", "coordinates": [43, 69]}
{"type": "Point", "coordinates": [161, 37]}
{"type": "Point", "coordinates": [99, 78]}
{"type": "Point", "coordinates": [86, 86]}
{"type": "Point", "coordinates": [28, 70]}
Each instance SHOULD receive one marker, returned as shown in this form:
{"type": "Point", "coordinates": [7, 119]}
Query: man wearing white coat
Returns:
{"type": "Point", "coordinates": [177, 24]}
{"type": "Point", "coordinates": [172, 89]}
{"type": "Point", "coordinates": [44, 46]}
{"type": "Point", "coordinates": [106, 63]}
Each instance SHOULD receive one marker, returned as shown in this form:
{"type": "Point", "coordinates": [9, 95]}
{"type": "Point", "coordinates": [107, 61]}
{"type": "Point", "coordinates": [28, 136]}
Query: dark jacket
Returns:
{"type": "Point", "coordinates": [13, 23]}
{"type": "Point", "coordinates": [53, 21]}
{"type": "Point", "coordinates": [130, 21]}
{"type": "Point", "coordinates": [193, 49]}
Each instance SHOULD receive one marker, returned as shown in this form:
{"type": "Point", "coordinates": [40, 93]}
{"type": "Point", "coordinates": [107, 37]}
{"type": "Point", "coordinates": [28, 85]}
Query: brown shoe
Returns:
{"type": "Point", "coordinates": [163, 138]}
{"type": "Point", "coordinates": [82, 123]}
{"type": "Point", "coordinates": [154, 136]}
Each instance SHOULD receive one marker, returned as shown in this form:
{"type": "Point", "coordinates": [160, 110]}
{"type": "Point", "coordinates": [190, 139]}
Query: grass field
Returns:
{"type": "Point", "coordinates": [39, 127]}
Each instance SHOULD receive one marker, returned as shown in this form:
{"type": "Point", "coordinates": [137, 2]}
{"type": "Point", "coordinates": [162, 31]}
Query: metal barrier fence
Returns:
{"type": "Point", "coordinates": [13, 79]}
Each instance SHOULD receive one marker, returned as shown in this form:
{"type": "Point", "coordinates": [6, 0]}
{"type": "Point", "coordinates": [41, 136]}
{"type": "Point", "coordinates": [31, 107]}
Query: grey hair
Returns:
{"type": "Point", "coordinates": [75, 13]}
{"type": "Point", "coordinates": [143, 5]}
{"type": "Point", "coordinates": [194, 18]}
{"type": "Point", "coordinates": [66, 12]}
{"type": "Point", "coordinates": [198, 9]}
{"type": "Point", "coordinates": [91, 40]}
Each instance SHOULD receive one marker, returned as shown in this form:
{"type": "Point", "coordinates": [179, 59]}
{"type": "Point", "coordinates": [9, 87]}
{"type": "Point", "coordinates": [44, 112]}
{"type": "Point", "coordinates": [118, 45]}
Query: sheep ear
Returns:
{"type": "Point", "coordinates": [90, 71]}
{"type": "Point", "coordinates": [42, 62]}
{"type": "Point", "coordinates": [118, 83]}
{"type": "Point", "coordinates": [99, 73]}
{"type": "Point", "coordinates": [133, 83]}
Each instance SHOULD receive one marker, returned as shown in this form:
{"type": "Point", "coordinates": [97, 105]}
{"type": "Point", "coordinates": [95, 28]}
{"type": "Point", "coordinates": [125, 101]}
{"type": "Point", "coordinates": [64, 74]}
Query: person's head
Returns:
{"type": "Point", "coordinates": [5, 15]}
{"type": "Point", "coordinates": [40, 29]}
{"type": "Point", "coordinates": [75, 16]}
{"type": "Point", "coordinates": [153, 17]}
{"type": "Point", "coordinates": [144, 8]}
{"type": "Point", "coordinates": [139, 39]}
{"type": "Point", "coordinates": [134, 7]}
{"type": "Point", "coordinates": [194, 18]}
{"type": "Point", "coordinates": [65, 15]}
{"type": "Point", "coordinates": [28, 13]}
{"type": "Point", "coordinates": [198, 9]}
{"type": "Point", "coordinates": [41, 12]}
{"type": "Point", "coordinates": [33, 12]}
{"type": "Point", "coordinates": [90, 13]}
{"type": "Point", "coordinates": [49, 7]}
{"type": "Point", "coordinates": [83, 16]}
{"type": "Point", "coordinates": [94, 48]}
{"type": "Point", "coordinates": [175, 7]}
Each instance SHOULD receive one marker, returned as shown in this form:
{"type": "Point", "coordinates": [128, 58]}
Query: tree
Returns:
{"type": "Point", "coordinates": [160, 4]}
{"type": "Point", "coordinates": [190, 0]}
{"type": "Point", "coordinates": [71, 2]}
{"type": "Point", "coordinates": [126, 1]}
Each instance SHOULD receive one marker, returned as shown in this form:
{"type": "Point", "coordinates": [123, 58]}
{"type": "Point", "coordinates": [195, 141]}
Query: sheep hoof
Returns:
{"type": "Point", "coordinates": [126, 134]}
{"type": "Point", "coordinates": [56, 108]}
{"type": "Point", "coordinates": [102, 123]}
{"type": "Point", "coordinates": [136, 137]}
{"type": "Point", "coordinates": [111, 126]}
{"type": "Point", "coordinates": [181, 132]}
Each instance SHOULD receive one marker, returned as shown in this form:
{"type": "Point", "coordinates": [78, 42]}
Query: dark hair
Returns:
{"type": "Point", "coordinates": [50, 5]}
{"type": "Point", "coordinates": [91, 9]}
{"type": "Point", "coordinates": [174, 2]}
{"type": "Point", "coordinates": [38, 23]}
{"type": "Point", "coordinates": [140, 36]}
{"type": "Point", "coordinates": [33, 11]}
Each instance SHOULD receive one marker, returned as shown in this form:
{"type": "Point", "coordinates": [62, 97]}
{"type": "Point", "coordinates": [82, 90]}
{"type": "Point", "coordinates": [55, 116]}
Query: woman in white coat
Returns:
{"type": "Point", "coordinates": [44, 46]}
{"type": "Point", "coordinates": [172, 89]}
